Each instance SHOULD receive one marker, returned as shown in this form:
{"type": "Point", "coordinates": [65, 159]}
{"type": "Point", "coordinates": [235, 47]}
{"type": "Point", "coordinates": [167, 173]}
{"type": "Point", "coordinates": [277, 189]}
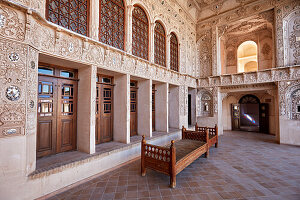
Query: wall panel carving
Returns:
{"type": "Point", "coordinates": [12, 23]}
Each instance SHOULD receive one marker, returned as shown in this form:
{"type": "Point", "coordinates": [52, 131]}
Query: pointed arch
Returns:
{"type": "Point", "coordinates": [174, 53]}
{"type": "Point", "coordinates": [159, 44]}
{"type": "Point", "coordinates": [112, 23]}
{"type": "Point", "coordinates": [70, 14]}
{"type": "Point", "coordinates": [140, 33]}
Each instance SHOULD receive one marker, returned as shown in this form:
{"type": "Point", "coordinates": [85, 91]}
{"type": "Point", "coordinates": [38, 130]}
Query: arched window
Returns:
{"type": "Point", "coordinates": [159, 44]}
{"type": "Point", "coordinates": [140, 35]}
{"type": "Point", "coordinates": [247, 57]}
{"type": "Point", "coordinates": [174, 52]}
{"type": "Point", "coordinates": [112, 21]}
{"type": "Point", "coordinates": [71, 14]}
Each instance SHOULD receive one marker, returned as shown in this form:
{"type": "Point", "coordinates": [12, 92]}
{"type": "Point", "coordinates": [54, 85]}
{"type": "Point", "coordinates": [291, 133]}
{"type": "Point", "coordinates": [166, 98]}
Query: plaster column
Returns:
{"type": "Point", "coordinates": [94, 19]}
{"type": "Point", "coordinates": [128, 29]}
{"type": "Point", "coordinates": [174, 106]}
{"type": "Point", "coordinates": [151, 42]}
{"type": "Point", "coordinates": [183, 106]}
{"type": "Point", "coordinates": [145, 108]}
{"type": "Point", "coordinates": [122, 109]}
{"type": "Point", "coordinates": [86, 109]}
{"type": "Point", "coordinates": [168, 51]}
{"type": "Point", "coordinates": [161, 107]}
{"type": "Point", "coordinates": [214, 46]}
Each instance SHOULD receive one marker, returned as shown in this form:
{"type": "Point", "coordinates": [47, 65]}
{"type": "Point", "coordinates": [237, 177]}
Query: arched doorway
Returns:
{"type": "Point", "coordinates": [247, 57]}
{"type": "Point", "coordinates": [250, 115]}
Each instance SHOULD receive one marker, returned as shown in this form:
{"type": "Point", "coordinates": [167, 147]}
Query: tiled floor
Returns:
{"type": "Point", "coordinates": [245, 166]}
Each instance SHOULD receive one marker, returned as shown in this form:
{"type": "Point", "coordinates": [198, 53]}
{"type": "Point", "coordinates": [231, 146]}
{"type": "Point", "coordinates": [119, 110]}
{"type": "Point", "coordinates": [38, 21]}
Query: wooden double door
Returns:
{"type": "Point", "coordinates": [104, 113]}
{"type": "Point", "coordinates": [57, 115]}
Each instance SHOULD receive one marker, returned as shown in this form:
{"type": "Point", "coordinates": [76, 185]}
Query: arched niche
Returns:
{"type": "Point", "coordinates": [293, 102]}
{"type": "Point", "coordinates": [247, 57]}
{"type": "Point", "coordinates": [206, 104]}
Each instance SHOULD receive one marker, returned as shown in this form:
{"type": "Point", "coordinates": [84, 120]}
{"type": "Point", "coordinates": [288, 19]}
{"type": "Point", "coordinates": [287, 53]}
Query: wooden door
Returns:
{"type": "Point", "coordinates": [66, 115]}
{"type": "Point", "coordinates": [46, 123]}
{"type": "Point", "coordinates": [264, 118]}
{"type": "Point", "coordinates": [153, 108]}
{"type": "Point", "coordinates": [133, 111]}
{"type": "Point", "coordinates": [106, 110]}
{"type": "Point", "coordinates": [57, 115]}
{"type": "Point", "coordinates": [235, 116]}
{"type": "Point", "coordinates": [98, 114]}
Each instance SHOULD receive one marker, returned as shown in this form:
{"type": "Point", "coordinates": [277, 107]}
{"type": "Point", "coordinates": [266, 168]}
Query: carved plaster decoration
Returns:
{"type": "Point", "coordinates": [12, 23]}
{"type": "Point", "coordinates": [2, 21]}
{"type": "Point", "coordinates": [205, 103]}
{"type": "Point", "coordinates": [285, 16]}
{"type": "Point", "coordinates": [204, 50]}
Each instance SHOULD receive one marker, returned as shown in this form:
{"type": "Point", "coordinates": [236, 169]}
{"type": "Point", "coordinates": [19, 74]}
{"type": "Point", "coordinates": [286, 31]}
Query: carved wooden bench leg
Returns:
{"type": "Point", "coordinates": [173, 180]}
{"type": "Point", "coordinates": [216, 145]}
{"type": "Point", "coordinates": [207, 154]}
{"type": "Point", "coordinates": [143, 168]}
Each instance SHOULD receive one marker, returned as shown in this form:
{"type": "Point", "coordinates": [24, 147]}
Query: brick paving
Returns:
{"type": "Point", "coordinates": [245, 166]}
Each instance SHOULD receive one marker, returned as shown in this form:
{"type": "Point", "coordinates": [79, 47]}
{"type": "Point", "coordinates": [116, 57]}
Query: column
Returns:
{"type": "Point", "coordinates": [94, 19]}
{"type": "Point", "coordinates": [161, 107]}
{"type": "Point", "coordinates": [122, 109]}
{"type": "Point", "coordinates": [145, 108]}
{"type": "Point", "coordinates": [128, 30]}
{"type": "Point", "coordinates": [168, 51]}
{"type": "Point", "coordinates": [174, 106]}
{"type": "Point", "coordinates": [151, 42]}
{"type": "Point", "coordinates": [86, 109]}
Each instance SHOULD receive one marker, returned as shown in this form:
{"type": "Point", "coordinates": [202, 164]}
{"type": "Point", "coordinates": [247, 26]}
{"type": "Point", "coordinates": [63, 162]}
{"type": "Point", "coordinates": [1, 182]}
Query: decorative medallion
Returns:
{"type": "Point", "coordinates": [31, 104]}
{"type": "Point", "coordinates": [32, 64]}
{"type": "Point", "coordinates": [13, 93]}
{"type": "Point", "coordinates": [14, 57]}
{"type": "Point", "coordinates": [2, 21]}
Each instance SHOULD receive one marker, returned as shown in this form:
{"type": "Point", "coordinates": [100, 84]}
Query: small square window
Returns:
{"type": "Point", "coordinates": [298, 108]}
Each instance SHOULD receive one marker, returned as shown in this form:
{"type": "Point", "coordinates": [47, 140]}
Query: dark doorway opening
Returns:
{"type": "Point", "coordinates": [190, 109]}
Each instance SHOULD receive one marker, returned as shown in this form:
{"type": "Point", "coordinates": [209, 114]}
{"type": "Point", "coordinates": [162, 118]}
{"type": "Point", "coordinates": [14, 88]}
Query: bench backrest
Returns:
{"type": "Point", "coordinates": [213, 131]}
{"type": "Point", "coordinates": [195, 135]}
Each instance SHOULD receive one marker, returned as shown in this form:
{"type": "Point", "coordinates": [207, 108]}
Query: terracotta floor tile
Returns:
{"type": "Point", "coordinates": [245, 166]}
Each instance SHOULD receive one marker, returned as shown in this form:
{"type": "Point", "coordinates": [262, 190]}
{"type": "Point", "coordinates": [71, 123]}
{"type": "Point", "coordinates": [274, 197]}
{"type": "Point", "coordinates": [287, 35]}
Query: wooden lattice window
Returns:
{"type": "Point", "coordinates": [140, 35]}
{"type": "Point", "coordinates": [112, 23]}
{"type": "Point", "coordinates": [159, 44]}
{"type": "Point", "coordinates": [174, 52]}
{"type": "Point", "coordinates": [70, 14]}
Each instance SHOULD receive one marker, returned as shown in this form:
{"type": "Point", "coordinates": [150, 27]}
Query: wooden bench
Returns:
{"type": "Point", "coordinates": [173, 158]}
{"type": "Point", "coordinates": [213, 134]}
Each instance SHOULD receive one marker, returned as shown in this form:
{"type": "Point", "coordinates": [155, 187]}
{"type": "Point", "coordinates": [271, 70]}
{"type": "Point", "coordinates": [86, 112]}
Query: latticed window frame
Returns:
{"type": "Point", "coordinates": [136, 48]}
{"type": "Point", "coordinates": [174, 53]}
{"type": "Point", "coordinates": [68, 17]}
{"type": "Point", "coordinates": [116, 4]}
{"type": "Point", "coordinates": [159, 44]}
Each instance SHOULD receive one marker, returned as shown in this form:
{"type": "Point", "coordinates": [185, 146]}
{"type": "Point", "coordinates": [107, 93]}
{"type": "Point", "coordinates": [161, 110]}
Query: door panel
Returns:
{"type": "Point", "coordinates": [106, 128]}
{"type": "Point", "coordinates": [46, 140]}
{"type": "Point", "coordinates": [104, 113]}
{"type": "Point", "coordinates": [133, 111]}
{"type": "Point", "coordinates": [235, 116]}
{"type": "Point", "coordinates": [66, 115]}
